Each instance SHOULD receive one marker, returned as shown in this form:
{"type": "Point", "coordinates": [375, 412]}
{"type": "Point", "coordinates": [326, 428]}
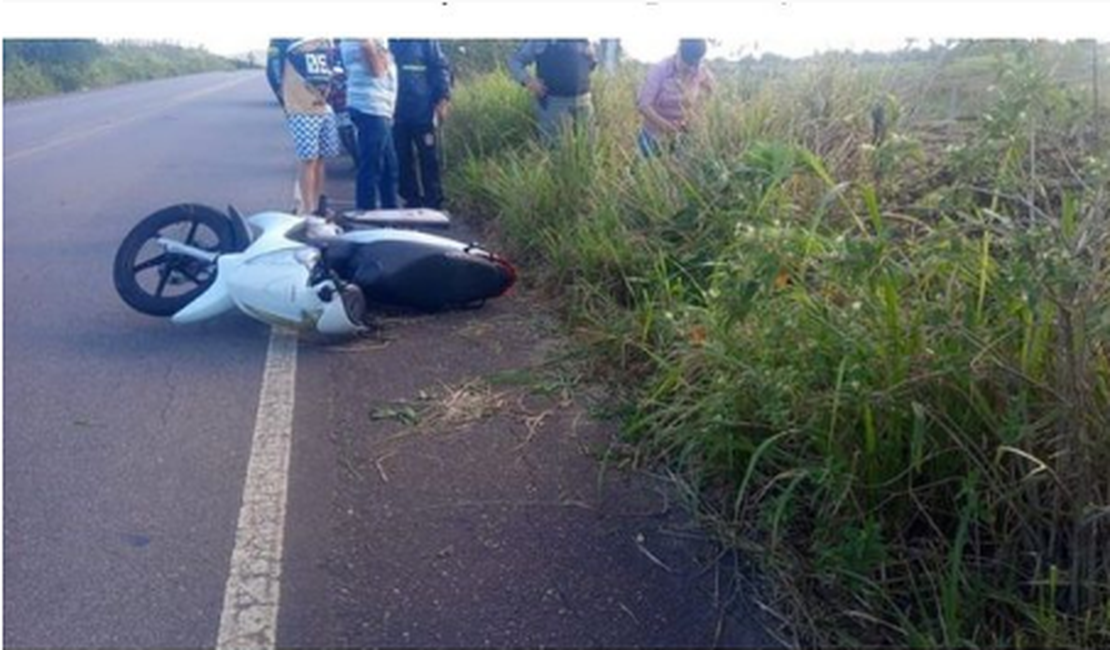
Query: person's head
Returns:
{"type": "Point", "coordinates": [691, 51]}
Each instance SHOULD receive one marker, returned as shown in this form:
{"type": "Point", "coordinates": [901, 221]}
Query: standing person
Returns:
{"type": "Point", "coordinates": [423, 93]}
{"type": "Point", "coordinates": [371, 97]}
{"type": "Point", "coordinates": [305, 82]}
{"type": "Point", "coordinates": [561, 83]}
{"type": "Point", "coordinates": [275, 63]}
{"type": "Point", "coordinates": [671, 95]}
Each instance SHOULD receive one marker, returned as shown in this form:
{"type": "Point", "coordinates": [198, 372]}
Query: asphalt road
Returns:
{"type": "Point", "coordinates": [126, 439]}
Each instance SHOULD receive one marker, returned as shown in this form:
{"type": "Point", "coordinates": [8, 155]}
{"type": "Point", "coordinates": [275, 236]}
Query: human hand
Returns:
{"type": "Point", "coordinates": [536, 87]}
{"type": "Point", "coordinates": [442, 109]}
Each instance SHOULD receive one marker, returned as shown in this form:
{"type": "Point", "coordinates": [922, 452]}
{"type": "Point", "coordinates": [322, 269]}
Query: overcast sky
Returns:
{"type": "Point", "coordinates": [648, 28]}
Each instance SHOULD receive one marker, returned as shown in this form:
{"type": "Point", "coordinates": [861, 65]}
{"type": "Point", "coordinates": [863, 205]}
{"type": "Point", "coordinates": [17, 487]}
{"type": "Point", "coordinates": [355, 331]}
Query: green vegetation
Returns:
{"type": "Point", "coordinates": [35, 67]}
{"type": "Point", "coordinates": [863, 313]}
{"type": "Point", "coordinates": [473, 57]}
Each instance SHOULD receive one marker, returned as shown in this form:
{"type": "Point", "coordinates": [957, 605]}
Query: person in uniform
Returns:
{"type": "Point", "coordinates": [423, 94]}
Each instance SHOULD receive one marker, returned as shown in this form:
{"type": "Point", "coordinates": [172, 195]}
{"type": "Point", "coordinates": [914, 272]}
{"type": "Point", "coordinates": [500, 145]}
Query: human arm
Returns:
{"type": "Point", "coordinates": [439, 77]}
{"type": "Point", "coordinates": [591, 54]}
{"type": "Point", "coordinates": [708, 82]}
{"type": "Point", "coordinates": [520, 60]}
{"type": "Point", "coordinates": [699, 95]}
{"type": "Point", "coordinates": [660, 123]}
{"type": "Point", "coordinates": [376, 56]}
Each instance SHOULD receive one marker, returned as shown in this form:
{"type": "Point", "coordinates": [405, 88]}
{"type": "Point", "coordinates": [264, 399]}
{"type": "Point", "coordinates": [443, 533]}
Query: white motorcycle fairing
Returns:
{"type": "Point", "coordinates": [190, 262]}
{"type": "Point", "coordinates": [272, 281]}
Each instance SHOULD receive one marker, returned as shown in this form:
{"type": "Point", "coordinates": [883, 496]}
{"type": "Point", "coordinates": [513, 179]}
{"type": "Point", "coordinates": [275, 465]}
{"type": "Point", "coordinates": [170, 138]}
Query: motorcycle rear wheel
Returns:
{"type": "Point", "coordinates": [158, 283]}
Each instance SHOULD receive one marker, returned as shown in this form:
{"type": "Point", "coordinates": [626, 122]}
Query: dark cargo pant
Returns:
{"type": "Point", "coordinates": [418, 163]}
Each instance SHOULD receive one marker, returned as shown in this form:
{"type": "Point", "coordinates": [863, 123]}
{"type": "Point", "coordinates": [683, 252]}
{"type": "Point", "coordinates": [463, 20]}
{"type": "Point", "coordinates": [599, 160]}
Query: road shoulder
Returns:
{"type": "Point", "coordinates": [471, 498]}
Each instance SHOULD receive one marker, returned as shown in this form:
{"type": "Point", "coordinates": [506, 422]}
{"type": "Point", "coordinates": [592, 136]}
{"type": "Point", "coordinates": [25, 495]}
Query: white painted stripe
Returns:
{"type": "Point", "coordinates": [249, 618]}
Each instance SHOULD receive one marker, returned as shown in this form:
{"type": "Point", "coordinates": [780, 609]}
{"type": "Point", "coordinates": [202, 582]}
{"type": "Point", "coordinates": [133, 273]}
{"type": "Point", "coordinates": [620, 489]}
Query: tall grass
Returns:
{"type": "Point", "coordinates": [880, 355]}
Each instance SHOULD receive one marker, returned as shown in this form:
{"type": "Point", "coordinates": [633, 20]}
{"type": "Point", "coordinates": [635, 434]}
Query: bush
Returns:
{"type": "Point", "coordinates": [23, 81]}
{"type": "Point", "coordinates": [41, 67]}
{"type": "Point", "coordinates": [881, 355]}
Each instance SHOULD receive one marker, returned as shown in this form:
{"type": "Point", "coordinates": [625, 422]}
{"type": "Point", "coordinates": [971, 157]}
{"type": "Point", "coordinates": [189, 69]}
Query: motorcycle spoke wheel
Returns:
{"type": "Point", "coordinates": [153, 262]}
{"type": "Point", "coordinates": [159, 283]}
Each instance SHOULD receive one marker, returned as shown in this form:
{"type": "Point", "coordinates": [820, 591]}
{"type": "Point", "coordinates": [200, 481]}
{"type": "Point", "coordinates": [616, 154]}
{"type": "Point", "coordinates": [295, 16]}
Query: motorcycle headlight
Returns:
{"type": "Point", "coordinates": [344, 312]}
{"type": "Point", "coordinates": [354, 303]}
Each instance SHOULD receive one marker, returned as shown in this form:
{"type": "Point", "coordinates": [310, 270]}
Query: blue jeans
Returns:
{"type": "Point", "coordinates": [556, 113]}
{"type": "Point", "coordinates": [376, 181]}
{"type": "Point", "coordinates": [649, 146]}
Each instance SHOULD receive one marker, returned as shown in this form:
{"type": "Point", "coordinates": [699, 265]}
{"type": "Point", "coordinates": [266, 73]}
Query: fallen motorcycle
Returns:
{"type": "Point", "coordinates": [190, 262]}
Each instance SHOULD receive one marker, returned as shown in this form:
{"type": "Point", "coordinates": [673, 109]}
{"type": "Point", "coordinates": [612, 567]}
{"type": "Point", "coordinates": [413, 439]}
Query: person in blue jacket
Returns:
{"type": "Point", "coordinates": [423, 96]}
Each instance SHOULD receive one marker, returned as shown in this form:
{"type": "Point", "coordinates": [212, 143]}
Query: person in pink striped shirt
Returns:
{"type": "Point", "coordinates": [670, 96]}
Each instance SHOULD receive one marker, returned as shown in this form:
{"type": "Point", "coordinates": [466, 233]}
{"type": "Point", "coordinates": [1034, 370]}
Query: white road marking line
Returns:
{"type": "Point", "coordinates": [249, 618]}
{"type": "Point", "coordinates": [181, 99]}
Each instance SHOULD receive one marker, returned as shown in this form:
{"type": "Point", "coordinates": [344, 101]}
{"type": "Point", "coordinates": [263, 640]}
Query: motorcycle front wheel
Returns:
{"type": "Point", "coordinates": [156, 282]}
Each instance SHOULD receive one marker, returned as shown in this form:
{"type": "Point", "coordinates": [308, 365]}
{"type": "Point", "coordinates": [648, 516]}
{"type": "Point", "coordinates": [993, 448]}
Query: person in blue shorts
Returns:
{"type": "Point", "coordinates": [306, 82]}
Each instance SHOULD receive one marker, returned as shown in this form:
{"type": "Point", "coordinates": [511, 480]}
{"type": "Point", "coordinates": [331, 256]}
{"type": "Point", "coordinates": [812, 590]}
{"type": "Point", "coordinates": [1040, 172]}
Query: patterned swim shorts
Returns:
{"type": "Point", "coordinates": [314, 136]}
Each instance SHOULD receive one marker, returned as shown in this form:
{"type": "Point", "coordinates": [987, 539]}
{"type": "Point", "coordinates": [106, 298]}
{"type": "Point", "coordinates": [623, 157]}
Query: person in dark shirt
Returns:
{"type": "Point", "coordinates": [561, 83]}
{"type": "Point", "coordinates": [423, 96]}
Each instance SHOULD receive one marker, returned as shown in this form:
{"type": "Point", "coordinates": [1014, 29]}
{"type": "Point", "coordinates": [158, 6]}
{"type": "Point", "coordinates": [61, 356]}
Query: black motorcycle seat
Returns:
{"type": "Point", "coordinates": [338, 255]}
